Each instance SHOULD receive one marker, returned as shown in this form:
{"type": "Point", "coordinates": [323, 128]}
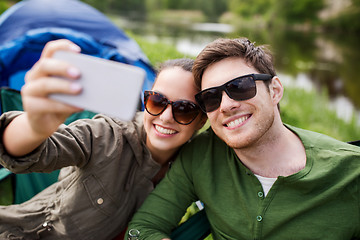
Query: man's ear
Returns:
{"type": "Point", "coordinates": [276, 90]}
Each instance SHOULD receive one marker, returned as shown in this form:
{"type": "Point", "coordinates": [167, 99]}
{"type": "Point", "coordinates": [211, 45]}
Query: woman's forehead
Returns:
{"type": "Point", "coordinates": [176, 83]}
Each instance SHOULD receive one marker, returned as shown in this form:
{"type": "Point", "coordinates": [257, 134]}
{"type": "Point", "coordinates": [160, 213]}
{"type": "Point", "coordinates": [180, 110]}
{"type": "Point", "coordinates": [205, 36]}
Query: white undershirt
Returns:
{"type": "Point", "coordinates": [266, 183]}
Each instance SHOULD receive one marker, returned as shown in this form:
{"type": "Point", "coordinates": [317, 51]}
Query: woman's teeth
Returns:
{"type": "Point", "coordinates": [164, 130]}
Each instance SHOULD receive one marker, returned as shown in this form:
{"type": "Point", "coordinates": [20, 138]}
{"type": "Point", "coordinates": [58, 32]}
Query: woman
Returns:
{"type": "Point", "coordinates": [108, 166]}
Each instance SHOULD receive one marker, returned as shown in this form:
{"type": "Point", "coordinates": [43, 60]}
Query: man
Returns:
{"type": "Point", "coordinates": [257, 177]}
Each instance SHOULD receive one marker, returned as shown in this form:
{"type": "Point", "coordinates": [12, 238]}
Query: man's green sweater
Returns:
{"type": "Point", "coordinates": [322, 201]}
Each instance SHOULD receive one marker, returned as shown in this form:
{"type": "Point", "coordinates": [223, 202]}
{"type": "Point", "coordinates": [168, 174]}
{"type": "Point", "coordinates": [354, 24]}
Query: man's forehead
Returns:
{"type": "Point", "coordinates": [223, 71]}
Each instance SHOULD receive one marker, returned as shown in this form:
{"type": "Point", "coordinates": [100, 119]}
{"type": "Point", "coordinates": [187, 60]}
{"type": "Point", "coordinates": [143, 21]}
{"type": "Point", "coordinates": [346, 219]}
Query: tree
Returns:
{"type": "Point", "coordinates": [294, 11]}
{"type": "Point", "coordinates": [250, 8]}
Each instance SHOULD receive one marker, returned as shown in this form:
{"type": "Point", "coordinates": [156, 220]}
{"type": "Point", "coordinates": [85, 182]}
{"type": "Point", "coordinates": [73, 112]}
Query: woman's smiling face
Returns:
{"type": "Point", "coordinates": [163, 132]}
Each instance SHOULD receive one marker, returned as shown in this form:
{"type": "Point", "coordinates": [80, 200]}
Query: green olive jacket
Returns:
{"type": "Point", "coordinates": [106, 173]}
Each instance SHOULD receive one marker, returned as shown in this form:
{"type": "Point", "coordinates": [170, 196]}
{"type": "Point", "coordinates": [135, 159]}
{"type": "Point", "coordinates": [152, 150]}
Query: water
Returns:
{"type": "Point", "coordinates": [308, 60]}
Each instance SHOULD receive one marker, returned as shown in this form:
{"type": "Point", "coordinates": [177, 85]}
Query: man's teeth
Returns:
{"type": "Point", "coordinates": [237, 121]}
{"type": "Point", "coordinates": [164, 130]}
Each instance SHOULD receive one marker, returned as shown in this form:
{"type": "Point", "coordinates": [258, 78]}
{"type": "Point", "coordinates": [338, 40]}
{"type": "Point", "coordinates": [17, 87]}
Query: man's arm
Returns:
{"type": "Point", "coordinates": [164, 207]}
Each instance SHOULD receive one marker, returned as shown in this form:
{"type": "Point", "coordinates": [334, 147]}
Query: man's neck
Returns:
{"type": "Point", "coordinates": [279, 153]}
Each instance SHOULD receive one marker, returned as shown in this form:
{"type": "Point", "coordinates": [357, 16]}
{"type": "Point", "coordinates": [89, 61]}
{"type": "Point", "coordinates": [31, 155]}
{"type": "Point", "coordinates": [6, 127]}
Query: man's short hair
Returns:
{"type": "Point", "coordinates": [260, 57]}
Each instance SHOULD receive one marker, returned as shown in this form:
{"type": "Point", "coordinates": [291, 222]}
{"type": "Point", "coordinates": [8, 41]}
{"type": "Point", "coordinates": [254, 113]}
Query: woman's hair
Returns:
{"type": "Point", "coordinates": [259, 57]}
{"type": "Point", "coordinates": [184, 63]}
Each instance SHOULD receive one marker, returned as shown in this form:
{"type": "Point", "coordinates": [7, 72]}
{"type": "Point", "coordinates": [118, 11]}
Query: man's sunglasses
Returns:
{"type": "Point", "coordinates": [183, 111]}
{"type": "Point", "coordinates": [240, 88]}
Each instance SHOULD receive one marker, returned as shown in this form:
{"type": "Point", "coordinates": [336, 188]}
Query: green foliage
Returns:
{"type": "Point", "coordinates": [294, 51]}
{"type": "Point", "coordinates": [6, 192]}
{"type": "Point", "coordinates": [176, 17]}
{"type": "Point", "coordinates": [294, 11]}
{"type": "Point", "coordinates": [125, 7]}
{"type": "Point", "coordinates": [213, 8]}
{"type": "Point", "coordinates": [100, 5]}
{"type": "Point", "coordinates": [156, 52]}
{"type": "Point", "coordinates": [210, 8]}
{"type": "Point", "coordinates": [309, 110]}
{"type": "Point", "coordinates": [348, 21]}
{"type": "Point", "coordinates": [3, 7]}
{"type": "Point", "coordinates": [250, 8]}
{"type": "Point", "coordinates": [279, 13]}
{"type": "Point", "coordinates": [155, 5]}
{"type": "Point", "coordinates": [268, 12]}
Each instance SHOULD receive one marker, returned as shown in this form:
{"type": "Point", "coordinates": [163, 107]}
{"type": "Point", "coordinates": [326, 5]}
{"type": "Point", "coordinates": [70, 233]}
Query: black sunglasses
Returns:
{"type": "Point", "coordinates": [240, 88]}
{"type": "Point", "coordinates": [183, 111]}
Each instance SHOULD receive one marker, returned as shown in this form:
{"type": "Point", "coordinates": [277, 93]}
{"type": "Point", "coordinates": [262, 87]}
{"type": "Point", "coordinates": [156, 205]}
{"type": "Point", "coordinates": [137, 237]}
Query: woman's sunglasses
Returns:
{"type": "Point", "coordinates": [240, 88]}
{"type": "Point", "coordinates": [183, 111]}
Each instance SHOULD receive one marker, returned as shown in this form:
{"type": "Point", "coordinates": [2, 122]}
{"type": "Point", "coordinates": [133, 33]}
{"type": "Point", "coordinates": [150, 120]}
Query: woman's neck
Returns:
{"type": "Point", "coordinates": [165, 159]}
{"type": "Point", "coordinates": [161, 156]}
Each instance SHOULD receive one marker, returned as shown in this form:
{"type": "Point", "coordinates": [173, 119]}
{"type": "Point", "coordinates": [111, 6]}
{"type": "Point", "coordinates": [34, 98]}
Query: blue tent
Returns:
{"type": "Point", "coordinates": [28, 25]}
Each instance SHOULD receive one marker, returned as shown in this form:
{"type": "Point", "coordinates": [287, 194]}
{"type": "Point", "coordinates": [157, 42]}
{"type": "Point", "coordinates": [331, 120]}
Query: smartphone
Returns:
{"type": "Point", "coordinates": [109, 87]}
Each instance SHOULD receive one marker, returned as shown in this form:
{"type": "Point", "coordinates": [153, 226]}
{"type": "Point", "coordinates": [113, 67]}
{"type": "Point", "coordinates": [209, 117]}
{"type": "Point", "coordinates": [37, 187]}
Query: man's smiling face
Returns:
{"type": "Point", "coordinates": [239, 123]}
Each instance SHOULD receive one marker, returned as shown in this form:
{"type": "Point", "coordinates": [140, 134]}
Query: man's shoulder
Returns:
{"type": "Point", "coordinates": [316, 140]}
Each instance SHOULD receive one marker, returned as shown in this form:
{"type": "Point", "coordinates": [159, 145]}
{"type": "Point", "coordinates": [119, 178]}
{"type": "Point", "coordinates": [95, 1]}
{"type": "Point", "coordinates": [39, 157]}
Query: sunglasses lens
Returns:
{"type": "Point", "coordinates": [184, 112]}
{"type": "Point", "coordinates": [210, 99]}
{"type": "Point", "coordinates": [155, 103]}
{"type": "Point", "coordinates": [242, 88]}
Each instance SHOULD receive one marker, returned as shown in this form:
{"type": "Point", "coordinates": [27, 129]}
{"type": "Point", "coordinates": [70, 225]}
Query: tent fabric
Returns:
{"type": "Point", "coordinates": [196, 227]}
{"type": "Point", "coordinates": [19, 55]}
{"type": "Point", "coordinates": [27, 26]}
{"type": "Point", "coordinates": [32, 14]}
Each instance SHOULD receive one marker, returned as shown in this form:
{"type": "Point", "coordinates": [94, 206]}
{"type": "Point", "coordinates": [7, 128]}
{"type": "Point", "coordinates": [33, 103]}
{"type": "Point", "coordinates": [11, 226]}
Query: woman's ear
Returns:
{"type": "Point", "coordinates": [276, 90]}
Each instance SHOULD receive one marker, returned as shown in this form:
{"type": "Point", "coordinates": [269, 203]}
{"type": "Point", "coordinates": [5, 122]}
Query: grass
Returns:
{"type": "Point", "coordinates": [157, 52]}
{"type": "Point", "coordinates": [309, 110]}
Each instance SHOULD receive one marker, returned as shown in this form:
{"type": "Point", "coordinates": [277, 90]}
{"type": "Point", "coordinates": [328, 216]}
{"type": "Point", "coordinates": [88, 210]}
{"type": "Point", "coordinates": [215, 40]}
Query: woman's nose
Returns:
{"type": "Point", "coordinates": [166, 115]}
